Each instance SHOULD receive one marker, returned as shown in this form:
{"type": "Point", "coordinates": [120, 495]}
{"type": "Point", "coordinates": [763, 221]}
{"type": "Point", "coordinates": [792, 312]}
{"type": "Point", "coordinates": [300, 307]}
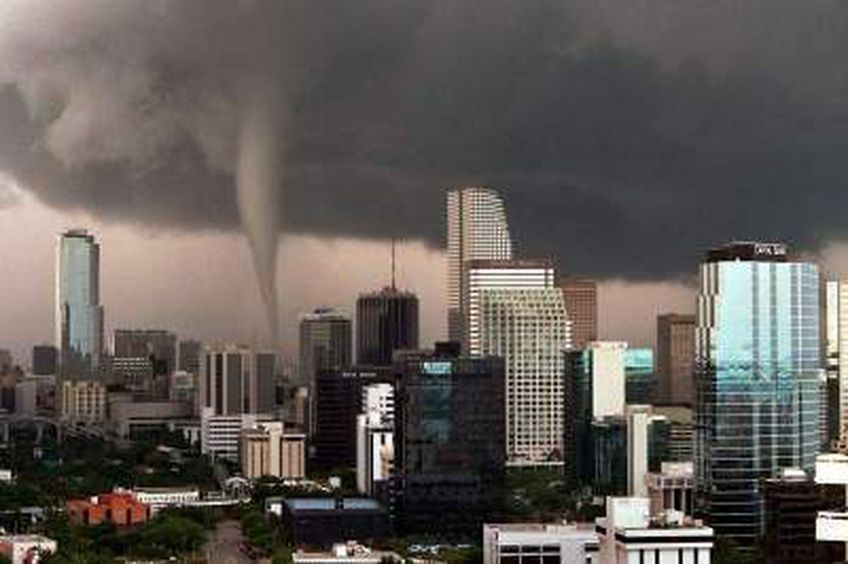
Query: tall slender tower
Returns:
{"type": "Point", "coordinates": [758, 378]}
{"type": "Point", "coordinates": [78, 314]}
{"type": "Point", "coordinates": [477, 229]}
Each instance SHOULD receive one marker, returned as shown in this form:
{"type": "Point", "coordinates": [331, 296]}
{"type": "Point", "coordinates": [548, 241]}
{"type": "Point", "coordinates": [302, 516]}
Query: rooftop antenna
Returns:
{"type": "Point", "coordinates": [393, 264]}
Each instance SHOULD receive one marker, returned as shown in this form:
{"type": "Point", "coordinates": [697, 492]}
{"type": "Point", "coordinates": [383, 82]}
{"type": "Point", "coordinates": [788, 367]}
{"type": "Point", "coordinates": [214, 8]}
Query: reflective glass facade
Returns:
{"type": "Point", "coordinates": [79, 315]}
{"type": "Point", "coordinates": [758, 368]}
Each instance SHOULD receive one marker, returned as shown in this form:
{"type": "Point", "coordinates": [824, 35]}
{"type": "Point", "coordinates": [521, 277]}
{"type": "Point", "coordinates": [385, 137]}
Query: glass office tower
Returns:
{"type": "Point", "coordinates": [758, 370]}
{"type": "Point", "coordinates": [79, 315]}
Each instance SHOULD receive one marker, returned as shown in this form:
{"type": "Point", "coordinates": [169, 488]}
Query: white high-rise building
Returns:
{"type": "Point", "coordinates": [477, 229]}
{"type": "Point", "coordinates": [78, 314]}
{"type": "Point", "coordinates": [517, 313]}
{"type": "Point", "coordinates": [609, 384]}
{"type": "Point", "coordinates": [235, 379]}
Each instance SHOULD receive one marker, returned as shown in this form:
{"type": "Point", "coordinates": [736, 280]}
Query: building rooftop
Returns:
{"type": "Point", "coordinates": [332, 504]}
{"type": "Point", "coordinates": [748, 251]}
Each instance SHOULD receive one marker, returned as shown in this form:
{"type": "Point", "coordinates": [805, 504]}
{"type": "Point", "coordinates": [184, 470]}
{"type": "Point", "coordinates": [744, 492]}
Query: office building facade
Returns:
{"type": "Point", "coordinates": [78, 313]}
{"type": "Point", "coordinates": [675, 359]}
{"type": "Point", "coordinates": [836, 351]}
{"type": "Point", "coordinates": [44, 360]}
{"type": "Point", "coordinates": [640, 384]}
{"type": "Point", "coordinates": [236, 379]}
{"type": "Point", "coordinates": [269, 450]}
{"type": "Point", "coordinates": [338, 402]}
{"type": "Point", "coordinates": [449, 441]}
{"type": "Point", "coordinates": [515, 312]}
{"type": "Point", "coordinates": [581, 302]}
{"type": "Point", "coordinates": [758, 366]}
{"type": "Point", "coordinates": [386, 321]}
{"type": "Point", "coordinates": [477, 229]}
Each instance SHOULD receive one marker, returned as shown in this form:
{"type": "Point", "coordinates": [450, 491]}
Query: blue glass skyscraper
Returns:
{"type": "Point", "coordinates": [79, 315]}
{"type": "Point", "coordinates": [758, 370]}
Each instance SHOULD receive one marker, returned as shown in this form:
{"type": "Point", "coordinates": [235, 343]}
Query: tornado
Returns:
{"type": "Point", "coordinates": [257, 177]}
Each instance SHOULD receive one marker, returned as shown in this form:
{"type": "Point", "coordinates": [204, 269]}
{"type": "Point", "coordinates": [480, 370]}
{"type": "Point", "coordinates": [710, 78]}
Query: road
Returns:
{"type": "Point", "coordinates": [223, 545]}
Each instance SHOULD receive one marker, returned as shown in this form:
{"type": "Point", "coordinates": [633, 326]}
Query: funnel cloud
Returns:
{"type": "Point", "coordinates": [626, 136]}
{"type": "Point", "coordinates": [257, 189]}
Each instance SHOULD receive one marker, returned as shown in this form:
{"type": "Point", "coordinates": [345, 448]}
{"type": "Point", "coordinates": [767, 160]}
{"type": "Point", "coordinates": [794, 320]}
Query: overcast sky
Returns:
{"type": "Point", "coordinates": [627, 138]}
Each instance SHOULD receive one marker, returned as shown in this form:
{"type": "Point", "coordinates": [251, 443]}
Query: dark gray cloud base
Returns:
{"type": "Point", "coordinates": [627, 135]}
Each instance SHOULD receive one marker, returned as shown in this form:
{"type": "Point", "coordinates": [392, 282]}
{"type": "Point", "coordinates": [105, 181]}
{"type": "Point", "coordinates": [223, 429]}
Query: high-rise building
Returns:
{"type": "Point", "coordinates": [143, 359]}
{"type": "Point", "coordinates": [758, 366]}
{"type": "Point", "coordinates": [449, 441]}
{"type": "Point", "coordinates": [516, 312]}
{"type": "Point", "coordinates": [6, 361]}
{"type": "Point", "coordinates": [386, 321]}
{"type": "Point", "coordinates": [325, 343]}
{"type": "Point", "coordinates": [675, 359]}
{"type": "Point", "coordinates": [477, 229]}
{"type": "Point", "coordinates": [236, 379]}
{"type": "Point", "coordinates": [581, 303]}
{"type": "Point", "coordinates": [268, 450]}
{"type": "Point", "coordinates": [595, 384]}
{"type": "Point", "coordinates": [188, 356]}
{"type": "Point", "coordinates": [44, 360]}
{"type": "Point", "coordinates": [793, 500]}
{"type": "Point", "coordinates": [836, 350]}
{"type": "Point", "coordinates": [639, 377]}
{"type": "Point", "coordinates": [78, 315]}
{"type": "Point", "coordinates": [338, 402]}
{"type": "Point", "coordinates": [375, 453]}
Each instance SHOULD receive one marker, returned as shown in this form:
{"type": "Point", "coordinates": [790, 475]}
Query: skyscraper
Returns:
{"type": "Point", "coordinates": [581, 303]}
{"type": "Point", "coordinates": [758, 365]}
{"type": "Point", "coordinates": [836, 350]}
{"type": "Point", "coordinates": [477, 229]}
{"type": "Point", "coordinates": [78, 314]}
{"type": "Point", "coordinates": [449, 441]}
{"type": "Point", "coordinates": [325, 343]}
{"type": "Point", "coordinates": [44, 360]}
{"type": "Point", "coordinates": [236, 380]}
{"type": "Point", "coordinates": [675, 359]}
{"type": "Point", "coordinates": [188, 356]}
{"type": "Point", "coordinates": [386, 321]}
{"type": "Point", "coordinates": [516, 312]}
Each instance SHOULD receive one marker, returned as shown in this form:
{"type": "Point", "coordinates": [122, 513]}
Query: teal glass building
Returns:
{"type": "Point", "coordinates": [758, 377]}
{"type": "Point", "coordinates": [79, 315]}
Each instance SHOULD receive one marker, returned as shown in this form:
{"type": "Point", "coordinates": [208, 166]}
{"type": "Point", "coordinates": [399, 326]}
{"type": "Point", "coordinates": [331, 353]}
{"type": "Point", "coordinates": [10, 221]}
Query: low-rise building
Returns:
{"type": "Point", "coordinates": [672, 487]}
{"type": "Point", "coordinates": [322, 522]}
{"type": "Point", "coordinates": [161, 498]}
{"type": "Point", "coordinates": [121, 509]}
{"type": "Point", "coordinates": [516, 543]}
{"type": "Point", "coordinates": [630, 534]}
{"type": "Point", "coordinates": [268, 450]}
{"type": "Point", "coordinates": [131, 419]}
{"type": "Point", "coordinates": [26, 549]}
{"type": "Point", "coordinates": [346, 553]}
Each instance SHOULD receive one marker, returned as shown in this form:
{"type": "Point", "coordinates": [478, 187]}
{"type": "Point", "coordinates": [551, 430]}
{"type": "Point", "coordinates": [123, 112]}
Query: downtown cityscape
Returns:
{"type": "Point", "coordinates": [519, 437]}
{"type": "Point", "coordinates": [423, 281]}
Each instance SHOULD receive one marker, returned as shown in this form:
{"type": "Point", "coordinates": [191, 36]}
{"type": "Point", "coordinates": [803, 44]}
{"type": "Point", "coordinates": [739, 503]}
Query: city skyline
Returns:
{"type": "Point", "coordinates": [185, 282]}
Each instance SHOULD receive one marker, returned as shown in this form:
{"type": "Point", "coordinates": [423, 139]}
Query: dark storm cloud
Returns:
{"type": "Point", "coordinates": [627, 136]}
